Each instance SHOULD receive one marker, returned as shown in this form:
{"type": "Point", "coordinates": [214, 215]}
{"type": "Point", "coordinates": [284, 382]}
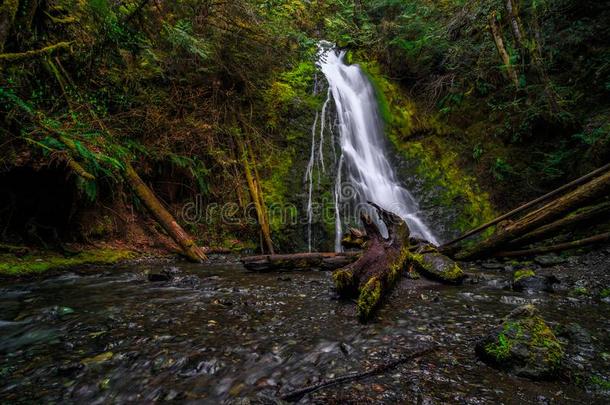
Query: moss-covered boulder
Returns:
{"type": "Point", "coordinates": [436, 266]}
{"type": "Point", "coordinates": [523, 344]}
{"type": "Point", "coordinates": [527, 280]}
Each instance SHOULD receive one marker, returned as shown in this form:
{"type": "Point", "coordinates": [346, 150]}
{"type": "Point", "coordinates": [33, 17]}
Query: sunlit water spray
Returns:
{"type": "Point", "coordinates": [362, 147]}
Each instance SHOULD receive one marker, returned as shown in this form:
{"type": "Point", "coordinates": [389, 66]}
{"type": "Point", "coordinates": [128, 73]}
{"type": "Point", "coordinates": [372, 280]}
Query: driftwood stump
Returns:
{"type": "Point", "coordinates": [376, 272]}
{"type": "Point", "coordinates": [372, 277]}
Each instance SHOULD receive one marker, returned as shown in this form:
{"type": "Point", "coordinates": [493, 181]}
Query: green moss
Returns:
{"type": "Point", "coordinates": [445, 182]}
{"type": "Point", "coordinates": [396, 269]}
{"type": "Point", "coordinates": [579, 291]}
{"type": "Point", "coordinates": [36, 264]}
{"type": "Point", "coordinates": [444, 269]}
{"type": "Point", "coordinates": [519, 274]}
{"type": "Point", "coordinates": [500, 349]}
{"type": "Point", "coordinates": [369, 299]}
{"type": "Point", "coordinates": [601, 382]}
{"type": "Point", "coordinates": [345, 282]}
{"type": "Point", "coordinates": [440, 171]}
{"type": "Point", "coordinates": [275, 189]}
{"type": "Point", "coordinates": [605, 293]}
{"type": "Point", "coordinates": [531, 332]}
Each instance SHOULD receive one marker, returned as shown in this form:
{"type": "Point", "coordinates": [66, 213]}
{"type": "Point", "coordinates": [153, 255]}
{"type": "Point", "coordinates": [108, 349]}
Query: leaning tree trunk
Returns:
{"type": "Point", "coordinates": [167, 221]}
{"type": "Point", "coordinates": [570, 221]}
{"type": "Point", "coordinates": [550, 212]}
{"type": "Point", "coordinates": [496, 33]}
{"type": "Point", "coordinates": [376, 272]}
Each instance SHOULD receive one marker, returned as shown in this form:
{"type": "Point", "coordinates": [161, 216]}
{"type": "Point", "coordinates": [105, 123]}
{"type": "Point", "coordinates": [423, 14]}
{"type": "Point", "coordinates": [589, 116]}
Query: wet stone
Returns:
{"type": "Point", "coordinates": [492, 265]}
{"type": "Point", "coordinates": [535, 283]}
{"type": "Point", "coordinates": [523, 344]}
{"type": "Point", "coordinates": [549, 260]}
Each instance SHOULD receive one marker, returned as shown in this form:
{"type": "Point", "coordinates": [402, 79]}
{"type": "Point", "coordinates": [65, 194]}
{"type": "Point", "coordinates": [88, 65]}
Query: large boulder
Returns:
{"type": "Point", "coordinates": [523, 344]}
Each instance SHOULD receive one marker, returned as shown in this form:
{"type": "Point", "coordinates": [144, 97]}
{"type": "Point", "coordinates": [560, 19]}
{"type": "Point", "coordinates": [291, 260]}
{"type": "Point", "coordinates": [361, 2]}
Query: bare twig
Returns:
{"type": "Point", "coordinates": [296, 395]}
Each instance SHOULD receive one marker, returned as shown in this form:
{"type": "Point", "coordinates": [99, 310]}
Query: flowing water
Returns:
{"type": "Point", "coordinates": [363, 152]}
{"type": "Point", "coordinates": [217, 334]}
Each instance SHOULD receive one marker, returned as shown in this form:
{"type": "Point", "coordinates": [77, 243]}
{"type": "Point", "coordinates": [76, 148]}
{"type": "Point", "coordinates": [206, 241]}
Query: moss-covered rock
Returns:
{"type": "Point", "coordinates": [523, 344]}
{"type": "Point", "coordinates": [13, 266]}
{"type": "Point", "coordinates": [527, 280]}
{"type": "Point", "coordinates": [437, 267]}
{"type": "Point", "coordinates": [523, 273]}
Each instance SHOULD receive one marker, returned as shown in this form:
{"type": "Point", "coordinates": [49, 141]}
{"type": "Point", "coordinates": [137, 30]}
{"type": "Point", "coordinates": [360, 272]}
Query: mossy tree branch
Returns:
{"type": "Point", "coordinates": [47, 50]}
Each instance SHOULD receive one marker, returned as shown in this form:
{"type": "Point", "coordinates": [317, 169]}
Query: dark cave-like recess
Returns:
{"type": "Point", "coordinates": [36, 205]}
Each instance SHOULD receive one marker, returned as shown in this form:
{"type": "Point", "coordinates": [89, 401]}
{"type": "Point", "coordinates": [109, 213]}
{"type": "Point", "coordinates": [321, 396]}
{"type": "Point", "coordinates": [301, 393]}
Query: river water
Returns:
{"type": "Point", "coordinates": [218, 334]}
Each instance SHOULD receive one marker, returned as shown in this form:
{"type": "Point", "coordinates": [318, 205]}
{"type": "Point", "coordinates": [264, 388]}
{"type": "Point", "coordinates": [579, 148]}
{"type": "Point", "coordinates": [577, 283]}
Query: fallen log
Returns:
{"type": "Point", "coordinates": [297, 395]}
{"type": "Point", "coordinates": [553, 210]}
{"type": "Point", "coordinates": [299, 261]}
{"type": "Point", "coordinates": [165, 219]}
{"type": "Point", "coordinates": [576, 218]}
{"type": "Point", "coordinates": [554, 193]}
{"type": "Point", "coordinates": [604, 237]}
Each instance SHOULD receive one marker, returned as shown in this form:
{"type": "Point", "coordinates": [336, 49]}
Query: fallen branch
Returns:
{"type": "Point", "coordinates": [79, 169]}
{"type": "Point", "coordinates": [295, 396]}
{"type": "Point", "coordinates": [13, 57]}
{"type": "Point", "coordinates": [298, 261]}
{"type": "Point", "coordinates": [559, 247]}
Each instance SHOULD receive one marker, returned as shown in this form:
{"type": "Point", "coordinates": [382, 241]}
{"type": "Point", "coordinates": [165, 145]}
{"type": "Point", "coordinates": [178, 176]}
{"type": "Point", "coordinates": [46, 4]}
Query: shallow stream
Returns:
{"type": "Point", "coordinates": [218, 334]}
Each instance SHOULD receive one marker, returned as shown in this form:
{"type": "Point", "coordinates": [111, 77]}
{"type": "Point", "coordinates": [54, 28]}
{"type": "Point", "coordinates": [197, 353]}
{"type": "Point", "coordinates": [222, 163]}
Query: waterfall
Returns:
{"type": "Point", "coordinates": [362, 146]}
{"type": "Point", "coordinates": [309, 180]}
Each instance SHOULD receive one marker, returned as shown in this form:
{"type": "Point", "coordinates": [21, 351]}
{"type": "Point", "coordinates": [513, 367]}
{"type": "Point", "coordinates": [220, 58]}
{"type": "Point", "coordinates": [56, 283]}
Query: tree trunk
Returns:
{"type": "Point", "coordinates": [167, 221]}
{"type": "Point", "coordinates": [515, 23]}
{"type": "Point", "coordinates": [8, 10]}
{"type": "Point", "coordinates": [604, 237]}
{"type": "Point", "coordinates": [581, 216]}
{"type": "Point", "coordinates": [496, 32]}
{"type": "Point", "coordinates": [257, 198]}
{"type": "Point", "coordinates": [555, 209]}
{"type": "Point", "coordinates": [299, 261]}
{"type": "Point", "coordinates": [535, 49]}
{"type": "Point", "coordinates": [376, 272]}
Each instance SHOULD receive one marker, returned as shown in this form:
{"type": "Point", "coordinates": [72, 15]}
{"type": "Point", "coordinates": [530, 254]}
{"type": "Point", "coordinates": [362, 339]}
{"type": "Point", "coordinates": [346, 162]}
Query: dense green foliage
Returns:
{"type": "Point", "coordinates": [552, 126]}
{"type": "Point", "coordinates": [189, 89]}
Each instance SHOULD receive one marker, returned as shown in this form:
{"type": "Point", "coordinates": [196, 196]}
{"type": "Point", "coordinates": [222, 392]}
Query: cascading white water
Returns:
{"type": "Point", "coordinates": [361, 138]}
{"type": "Point", "coordinates": [312, 159]}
